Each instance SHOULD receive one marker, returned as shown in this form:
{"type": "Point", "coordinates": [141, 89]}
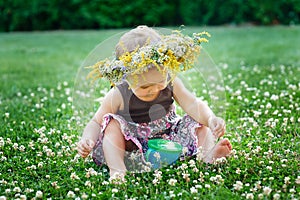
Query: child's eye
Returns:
{"type": "Point", "coordinates": [144, 87]}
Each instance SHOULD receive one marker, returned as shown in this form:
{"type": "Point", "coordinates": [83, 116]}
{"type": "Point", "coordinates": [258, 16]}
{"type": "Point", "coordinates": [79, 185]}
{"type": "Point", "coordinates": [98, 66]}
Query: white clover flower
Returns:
{"type": "Point", "coordinates": [287, 180]}
{"type": "Point", "coordinates": [172, 181]}
{"type": "Point", "coordinates": [89, 184]}
{"type": "Point", "coordinates": [219, 179]}
{"type": "Point", "coordinates": [195, 169]}
{"type": "Point", "coordinates": [257, 113]}
{"type": "Point", "coordinates": [267, 94]}
{"type": "Point", "coordinates": [17, 189]}
{"type": "Point", "coordinates": [22, 148]}
{"type": "Point", "coordinates": [117, 178]}
{"type": "Point", "coordinates": [199, 156]}
{"type": "Point", "coordinates": [2, 142]}
{"type": "Point", "coordinates": [63, 106]}
{"type": "Point", "coordinates": [54, 184]}
{"type": "Point", "coordinates": [114, 190]}
{"type": "Point", "coordinates": [185, 175]}
{"type": "Point", "coordinates": [84, 196]}
{"type": "Point", "coordinates": [158, 174]}
{"type": "Point", "coordinates": [274, 97]}
{"type": "Point", "coordinates": [292, 190]}
{"type": "Point", "coordinates": [73, 176]}
{"type": "Point", "coordinates": [213, 179]}
{"type": "Point", "coordinates": [207, 186]}
{"type": "Point", "coordinates": [15, 146]}
{"type": "Point", "coordinates": [183, 166]}
{"type": "Point", "coordinates": [155, 181]}
{"type": "Point", "coordinates": [238, 185]}
{"type": "Point", "coordinates": [220, 160]}
{"type": "Point", "coordinates": [28, 190]}
{"type": "Point", "coordinates": [147, 168]}
{"type": "Point", "coordinates": [3, 158]}
{"type": "Point", "coordinates": [198, 186]}
{"type": "Point", "coordinates": [276, 196]}
{"type": "Point", "coordinates": [192, 163]}
{"type": "Point", "coordinates": [193, 190]}
{"type": "Point", "coordinates": [172, 195]}
{"type": "Point", "coordinates": [267, 190]}
{"type": "Point", "coordinates": [91, 172]}
{"type": "Point", "coordinates": [23, 197]}
{"type": "Point", "coordinates": [275, 112]}
{"type": "Point", "coordinates": [70, 194]}
{"type": "Point", "coordinates": [68, 91]}
{"type": "Point", "coordinates": [269, 105]}
{"type": "Point", "coordinates": [39, 194]}
{"type": "Point", "coordinates": [249, 196]}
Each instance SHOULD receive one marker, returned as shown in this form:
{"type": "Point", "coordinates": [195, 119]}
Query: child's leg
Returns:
{"type": "Point", "coordinates": [114, 148]}
{"type": "Point", "coordinates": [210, 150]}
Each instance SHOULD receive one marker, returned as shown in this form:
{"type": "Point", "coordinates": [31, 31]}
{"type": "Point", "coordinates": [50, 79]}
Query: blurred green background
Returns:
{"type": "Point", "coordinates": [28, 15]}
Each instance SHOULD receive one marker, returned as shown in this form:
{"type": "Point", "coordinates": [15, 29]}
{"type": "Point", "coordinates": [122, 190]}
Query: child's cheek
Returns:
{"type": "Point", "coordinates": [139, 92]}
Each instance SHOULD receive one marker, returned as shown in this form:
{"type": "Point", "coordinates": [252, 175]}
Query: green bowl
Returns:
{"type": "Point", "coordinates": [162, 152]}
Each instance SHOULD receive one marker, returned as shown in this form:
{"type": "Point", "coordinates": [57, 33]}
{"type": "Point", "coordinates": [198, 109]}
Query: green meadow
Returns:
{"type": "Point", "coordinates": [40, 126]}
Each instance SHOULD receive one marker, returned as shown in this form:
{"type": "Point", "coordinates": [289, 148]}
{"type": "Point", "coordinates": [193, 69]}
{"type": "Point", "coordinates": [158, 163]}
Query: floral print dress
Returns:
{"type": "Point", "coordinates": [170, 127]}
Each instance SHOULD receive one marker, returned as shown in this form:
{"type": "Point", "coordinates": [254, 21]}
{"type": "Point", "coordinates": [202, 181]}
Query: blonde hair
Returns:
{"type": "Point", "coordinates": [136, 38]}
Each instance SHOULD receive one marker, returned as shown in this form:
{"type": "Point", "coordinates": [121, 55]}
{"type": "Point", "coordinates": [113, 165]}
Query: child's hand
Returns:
{"type": "Point", "coordinates": [217, 126]}
{"type": "Point", "coordinates": [84, 147]}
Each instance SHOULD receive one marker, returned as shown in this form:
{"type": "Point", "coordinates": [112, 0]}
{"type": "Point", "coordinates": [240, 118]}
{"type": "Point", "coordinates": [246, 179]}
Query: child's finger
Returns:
{"type": "Point", "coordinates": [83, 155]}
{"type": "Point", "coordinates": [90, 143]}
{"type": "Point", "coordinates": [86, 147]}
{"type": "Point", "coordinates": [81, 152]}
{"type": "Point", "coordinates": [81, 149]}
{"type": "Point", "coordinates": [83, 146]}
{"type": "Point", "coordinates": [86, 144]}
{"type": "Point", "coordinates": [84, 152]}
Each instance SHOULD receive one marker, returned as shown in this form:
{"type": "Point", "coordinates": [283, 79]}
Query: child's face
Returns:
{"type": "Point", "coordinates": [148, 85]}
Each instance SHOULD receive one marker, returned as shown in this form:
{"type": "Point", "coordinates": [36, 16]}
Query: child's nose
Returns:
{"type": "Point", "coordinates": [156, 88]}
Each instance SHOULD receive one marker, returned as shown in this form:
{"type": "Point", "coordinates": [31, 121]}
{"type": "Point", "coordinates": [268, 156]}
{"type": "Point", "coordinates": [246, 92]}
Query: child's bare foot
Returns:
{"type": "Point", "coordinates": [221, 149]}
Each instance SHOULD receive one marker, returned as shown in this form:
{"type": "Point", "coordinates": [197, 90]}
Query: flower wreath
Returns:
{"type": "Point", "coordinates": [175, 52]}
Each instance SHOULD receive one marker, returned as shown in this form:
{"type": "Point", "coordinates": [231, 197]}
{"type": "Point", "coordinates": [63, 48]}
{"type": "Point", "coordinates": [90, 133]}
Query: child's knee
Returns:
{"type": "Point", "coordinates": [112, 127]}
{"type": "Point", "coordinates": [113, 134]}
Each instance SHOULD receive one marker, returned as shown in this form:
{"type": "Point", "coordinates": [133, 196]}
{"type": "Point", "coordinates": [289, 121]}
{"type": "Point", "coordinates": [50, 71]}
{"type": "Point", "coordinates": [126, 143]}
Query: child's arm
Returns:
{"type": "Point", "coordinates": [197, 109]}
{"type": "Point", "coordinates": [111, 104]}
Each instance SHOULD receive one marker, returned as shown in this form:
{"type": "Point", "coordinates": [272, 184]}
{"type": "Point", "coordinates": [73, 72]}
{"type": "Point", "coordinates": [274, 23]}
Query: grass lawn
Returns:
{"type": "Point", "coordinates": [260, 67]}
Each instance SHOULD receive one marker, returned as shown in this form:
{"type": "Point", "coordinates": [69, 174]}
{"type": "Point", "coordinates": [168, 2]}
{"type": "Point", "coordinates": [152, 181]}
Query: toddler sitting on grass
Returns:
{"type": "Point", "coordinates": [140, 106]}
